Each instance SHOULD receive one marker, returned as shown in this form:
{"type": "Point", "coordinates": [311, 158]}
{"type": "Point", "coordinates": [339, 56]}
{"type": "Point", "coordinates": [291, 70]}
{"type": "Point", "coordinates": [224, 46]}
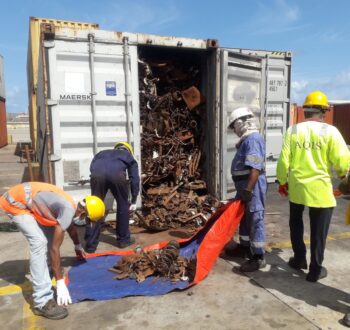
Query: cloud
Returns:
{"type": "Point", "coordinates": [336, 87]}
{"type": "Point", "coordinates": [274, 17]}
{"type": "Point", "coordinates": [136, 17]}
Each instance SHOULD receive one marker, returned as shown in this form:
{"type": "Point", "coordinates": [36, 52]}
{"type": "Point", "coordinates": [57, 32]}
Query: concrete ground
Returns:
{"type": "Point", "coordinates": [274, 298]}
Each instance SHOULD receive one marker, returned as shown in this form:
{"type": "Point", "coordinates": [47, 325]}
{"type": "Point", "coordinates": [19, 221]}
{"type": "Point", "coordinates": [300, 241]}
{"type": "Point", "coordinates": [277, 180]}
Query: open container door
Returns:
{"type": "Point", "coordinates": [277, 108]}
{"type": "Point", "coordinates": [92, 99]}
{"type": "Point", "coordinates": [241, 85]}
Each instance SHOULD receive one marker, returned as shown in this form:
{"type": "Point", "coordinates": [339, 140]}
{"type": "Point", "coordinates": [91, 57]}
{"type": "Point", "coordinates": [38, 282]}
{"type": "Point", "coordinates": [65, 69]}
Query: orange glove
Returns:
{"type": "Point", "coordinates": [337, 193]}
{"type": "Point", "coordinates": [283, 189]}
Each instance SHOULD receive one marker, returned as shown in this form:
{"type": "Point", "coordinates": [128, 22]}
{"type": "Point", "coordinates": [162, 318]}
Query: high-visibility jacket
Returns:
{"type": "Point", "coordinates": [310, 150]}
{"type": "Point", "coordinates": [18, 200]}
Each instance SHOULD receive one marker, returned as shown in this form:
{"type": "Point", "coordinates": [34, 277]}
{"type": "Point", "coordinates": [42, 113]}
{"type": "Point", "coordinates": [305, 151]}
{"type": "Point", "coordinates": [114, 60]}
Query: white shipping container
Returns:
{"type": "Point", "coordinates": [2, 79]}
{"type": "Point", "coordinates": [88, 99]}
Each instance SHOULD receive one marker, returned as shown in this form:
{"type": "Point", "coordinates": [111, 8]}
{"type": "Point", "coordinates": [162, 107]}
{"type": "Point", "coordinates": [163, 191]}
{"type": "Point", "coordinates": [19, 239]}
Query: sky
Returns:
{"type": "Point", "coordinates": [316, 31]}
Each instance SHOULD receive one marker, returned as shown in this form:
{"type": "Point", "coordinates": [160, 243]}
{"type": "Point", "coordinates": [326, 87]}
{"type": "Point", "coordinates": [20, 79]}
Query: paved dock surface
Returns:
{"type": "Point", "coordinates": [277, 297]}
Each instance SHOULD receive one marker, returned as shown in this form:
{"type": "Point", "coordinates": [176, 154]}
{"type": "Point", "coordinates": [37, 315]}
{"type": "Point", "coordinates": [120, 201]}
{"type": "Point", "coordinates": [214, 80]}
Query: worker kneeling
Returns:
{"type": "Point", "coordinates": [43, 212]}
{"type": "Point", "coordinates": [248, 175]}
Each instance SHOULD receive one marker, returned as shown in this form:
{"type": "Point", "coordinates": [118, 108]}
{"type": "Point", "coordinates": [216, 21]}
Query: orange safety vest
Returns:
{"type": "Point", "coordinates": [18, 200]}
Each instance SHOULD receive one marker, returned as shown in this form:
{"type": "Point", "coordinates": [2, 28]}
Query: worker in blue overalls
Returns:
{"type": "Point", "coordinates": [108, 172]}
{"type": "Point", "coordinates": [248, 174]}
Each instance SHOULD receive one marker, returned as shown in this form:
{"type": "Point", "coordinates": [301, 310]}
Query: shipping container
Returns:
{"type": "Point", "coordinates": [79, 116]}
{"type": "Point", "coordinates": [3, 127]}
{"type": "Point", "coordinates": [32, 61]}
{"type": "Point", "coordinates": [297, 115]}
{"type": "Point", "coordinates": [341, 119]}
{"type": "Point", "coordinates": [2, 79]}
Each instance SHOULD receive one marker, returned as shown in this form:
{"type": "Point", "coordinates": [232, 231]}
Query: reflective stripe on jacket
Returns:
{"type": "Point", "coordinates": [310, 150]}
{"type": "Point", "coordinates": [18, 200]}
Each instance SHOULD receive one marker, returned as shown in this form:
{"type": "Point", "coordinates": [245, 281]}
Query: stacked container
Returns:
{"type": "Point", "coordinates": [3, 128]}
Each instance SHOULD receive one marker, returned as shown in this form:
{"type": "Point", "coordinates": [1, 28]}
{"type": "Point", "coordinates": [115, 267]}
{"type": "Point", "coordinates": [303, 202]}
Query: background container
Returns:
{"type": "Point", "coordinates": [297, 115]}
{"type": "Point", "coordinates": [2, 79]}
{"type": "Point", "coordinates": [342, 119]}
{"type": "Point", "coordinates": [78, 117]}
{"type": "Point", "coordinates": [3, 127]}
{"type": "Point", "coordinates": [32, 62]}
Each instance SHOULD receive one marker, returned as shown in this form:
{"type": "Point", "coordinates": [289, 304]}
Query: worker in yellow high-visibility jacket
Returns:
{"type": "Point", "coordinates": [310, 150]}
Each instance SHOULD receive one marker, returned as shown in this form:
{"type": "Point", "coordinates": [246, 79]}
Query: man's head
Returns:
{"type": "Point", "coordinates": [124, 146]}
{"type": "Point", "coordinates": [315, 105]}
{"type": "Point", "coordinates": [91, 207]}
{"type": "Point", "coordinates": [241, 120]}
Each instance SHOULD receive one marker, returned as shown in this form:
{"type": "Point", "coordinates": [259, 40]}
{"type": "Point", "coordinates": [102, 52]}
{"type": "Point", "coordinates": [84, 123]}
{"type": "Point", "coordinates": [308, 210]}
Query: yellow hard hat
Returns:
{"type": "Point", "coordinates": [95, 207]}
{"type": "Point", "coordinates": [316, 99]}
{"type": "Point", "coordinates": [124, 145]}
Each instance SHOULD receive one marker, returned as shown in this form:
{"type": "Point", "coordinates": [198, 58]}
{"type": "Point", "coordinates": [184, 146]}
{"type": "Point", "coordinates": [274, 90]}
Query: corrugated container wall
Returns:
{"type": "Point", "coordinates": [84, 114]}
{"type": "Point", "coordinates": [3, 127]}
{"type": "Point", "coordinates": [297, 115]}
{"type": "Point", "coordinates": [32, 61]}
{"type": "Point", "coordinates": [342, 120]}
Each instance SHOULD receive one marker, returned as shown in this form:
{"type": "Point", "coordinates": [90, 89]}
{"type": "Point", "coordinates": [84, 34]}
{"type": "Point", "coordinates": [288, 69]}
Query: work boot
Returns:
{"type": "Point", "coordinates": [238, 251]}
{"type": "Point", "coordinates": [313, 276]}
{"type": "Point", "coordinates": [346, 320]}
{"type": "Point", "coordinates": [255, 263]}
{"type": "Point", "coordinates": [51, 311]}
{"type": "Point", "coordinates": [297, 263]}
{"type": "Point", "coordinates": [124, 244]}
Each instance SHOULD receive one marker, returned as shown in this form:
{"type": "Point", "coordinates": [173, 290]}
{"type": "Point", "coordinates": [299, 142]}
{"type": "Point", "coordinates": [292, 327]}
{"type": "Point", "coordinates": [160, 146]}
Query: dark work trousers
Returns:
{"type": "Point", "coordinates": [320, 219]}
{"type": "Point", "coordinates": [119, 187]}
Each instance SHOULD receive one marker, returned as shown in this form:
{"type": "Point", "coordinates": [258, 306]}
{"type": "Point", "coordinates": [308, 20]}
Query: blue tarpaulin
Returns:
{"type": "Point", "coordinates": [91, 280]}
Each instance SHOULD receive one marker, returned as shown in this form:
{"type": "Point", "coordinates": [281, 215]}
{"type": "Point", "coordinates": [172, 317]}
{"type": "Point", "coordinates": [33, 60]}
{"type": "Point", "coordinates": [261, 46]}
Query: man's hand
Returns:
{"type": "Point", "coordinates": [79, 251]}
{"type": "Point", "coordinates": [132, 208]}
{"type": "Point", "coordinates": [63, 297]}
{"type": "Point", "coordinates": [246, 195]}
{"type": "Point", "coordinates": [283, 189]}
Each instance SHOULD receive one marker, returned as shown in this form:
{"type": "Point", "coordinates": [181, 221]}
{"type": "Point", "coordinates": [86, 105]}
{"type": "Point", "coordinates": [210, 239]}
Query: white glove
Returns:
{"type": "Point", "coordinates": [132, 208]}
{"type": "Point", "coordinates": [63, 297]}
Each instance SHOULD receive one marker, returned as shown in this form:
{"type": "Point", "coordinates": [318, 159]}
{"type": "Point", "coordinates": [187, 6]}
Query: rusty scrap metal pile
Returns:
{"type": "Point", "coordinates": [173, 191]}
{"type": "Point", "coordinates": [164, 262]}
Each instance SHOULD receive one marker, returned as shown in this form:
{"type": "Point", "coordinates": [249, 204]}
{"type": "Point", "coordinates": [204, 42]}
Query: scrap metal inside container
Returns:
{"type": "Point", "coordinates": [173, 115]}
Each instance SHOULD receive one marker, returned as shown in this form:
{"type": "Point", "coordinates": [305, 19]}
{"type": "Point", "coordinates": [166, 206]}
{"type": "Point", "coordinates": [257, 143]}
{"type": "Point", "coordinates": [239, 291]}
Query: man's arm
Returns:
{"type": "Point", "coordinates": [253, 178]}
{"type": "Point", "coordinates": [133, 173]}
{"type": "Point", "coordinates": [73, 234]}
{"type": "Point", "coordinates": [283, 162]}
{"type": "Point", "coordinates": [57, 240]}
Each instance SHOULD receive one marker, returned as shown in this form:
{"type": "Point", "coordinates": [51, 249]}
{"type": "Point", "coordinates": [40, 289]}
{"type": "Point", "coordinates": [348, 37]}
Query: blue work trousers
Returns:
{"type": "Point", "coordinates": [252, 231]}
{"type": "Point", "coordinates": [119, 188]}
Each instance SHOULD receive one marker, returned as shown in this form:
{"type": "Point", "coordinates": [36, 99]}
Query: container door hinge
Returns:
{"type": "Point", "coordinates": [55, 158]}
{"type": "Point", "coordinates": [49, 44]}
{"type": "Point", "coordinates": [51, 102]}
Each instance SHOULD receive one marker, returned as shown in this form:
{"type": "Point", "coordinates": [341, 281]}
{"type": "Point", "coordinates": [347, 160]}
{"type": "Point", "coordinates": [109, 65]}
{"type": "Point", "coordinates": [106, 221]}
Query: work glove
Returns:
{"type": "Point", "coordinates": [246, 195]}
{"type": "Point", "coordinates": [344, 186]}
{"type": "Point", "coordinates": [63, 297]}
{"type": "Point", "coordinates": [283, 189]}
{"type": "Point", "coordinates": [79, 251]}
{"type": "Point", "coordinates": [132, 208]}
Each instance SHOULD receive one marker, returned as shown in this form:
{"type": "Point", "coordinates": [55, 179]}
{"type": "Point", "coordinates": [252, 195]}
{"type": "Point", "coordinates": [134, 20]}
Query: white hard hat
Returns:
{"type": "Point", "coordinates": [239, 113]}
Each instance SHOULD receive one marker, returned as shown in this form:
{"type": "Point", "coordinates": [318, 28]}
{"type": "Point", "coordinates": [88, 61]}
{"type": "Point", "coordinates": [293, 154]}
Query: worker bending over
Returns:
{"type": "Point", "coordinates": [108, 172]}
{"type": "Point", "coordinates": [43, 212]}
{"type": "Point", "coordinates": [310, 150]}
{"type": "Point", "coordinates": [248, 174]}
